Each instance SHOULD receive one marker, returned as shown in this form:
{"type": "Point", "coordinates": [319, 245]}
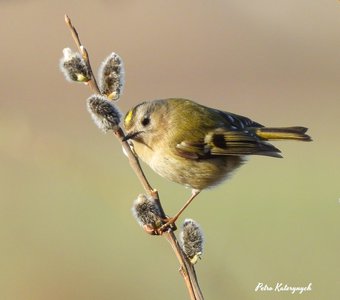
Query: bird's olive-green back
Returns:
{"type": "Point", "coordinates": [196, 121]}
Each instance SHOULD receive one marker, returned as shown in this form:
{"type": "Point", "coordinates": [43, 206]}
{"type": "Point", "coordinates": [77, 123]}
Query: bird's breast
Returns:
{"type": "Point", "coordinates": [197, 174]}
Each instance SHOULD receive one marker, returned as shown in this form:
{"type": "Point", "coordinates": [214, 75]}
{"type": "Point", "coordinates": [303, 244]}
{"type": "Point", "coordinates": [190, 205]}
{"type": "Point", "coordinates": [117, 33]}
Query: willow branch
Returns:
{"type": "Point", "coordinates": [186, 268]}
{"type": "Point", "coordinates": [92, 83]}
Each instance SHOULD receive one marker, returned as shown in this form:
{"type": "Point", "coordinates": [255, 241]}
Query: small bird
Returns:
{"type": "Point", "coordinates": [198, 146]}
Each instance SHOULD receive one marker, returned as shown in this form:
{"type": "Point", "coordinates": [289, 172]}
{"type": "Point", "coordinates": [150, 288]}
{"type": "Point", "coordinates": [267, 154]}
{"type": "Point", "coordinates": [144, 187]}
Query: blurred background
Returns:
{"type": "Point", "coordinates": [66, 190]}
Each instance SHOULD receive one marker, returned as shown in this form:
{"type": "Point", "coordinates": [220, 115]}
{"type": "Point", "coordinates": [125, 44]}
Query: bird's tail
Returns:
{"type": "Point", "coordinates": [283, 133]}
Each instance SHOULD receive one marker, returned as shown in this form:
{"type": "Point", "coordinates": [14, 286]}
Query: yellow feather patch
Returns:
{"type": "Point", "coordinates": [283, 133]}
{"type": "Point", "coordinates": [128, 117]}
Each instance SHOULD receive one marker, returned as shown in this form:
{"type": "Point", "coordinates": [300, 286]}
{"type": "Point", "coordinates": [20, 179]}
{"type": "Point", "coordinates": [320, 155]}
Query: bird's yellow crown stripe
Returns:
{"type": "Point", "coordinates": [128, 117]}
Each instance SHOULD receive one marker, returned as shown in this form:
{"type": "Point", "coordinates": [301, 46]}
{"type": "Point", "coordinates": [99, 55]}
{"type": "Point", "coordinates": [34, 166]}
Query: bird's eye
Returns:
{"type": "Point", "coordinates": [146, 121]}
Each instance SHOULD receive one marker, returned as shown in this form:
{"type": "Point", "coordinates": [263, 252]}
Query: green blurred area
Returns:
{"type": "Point", "coordinates": [66, 190]}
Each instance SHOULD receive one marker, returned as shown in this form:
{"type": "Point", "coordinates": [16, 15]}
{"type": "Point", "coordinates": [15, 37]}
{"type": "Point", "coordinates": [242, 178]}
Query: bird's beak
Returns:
{"type": "Point", "coordinates": [131, 136]}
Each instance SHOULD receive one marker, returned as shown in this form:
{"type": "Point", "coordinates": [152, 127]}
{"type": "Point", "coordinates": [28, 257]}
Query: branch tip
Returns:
{"type": "Point", "coordinates": [67, 19]}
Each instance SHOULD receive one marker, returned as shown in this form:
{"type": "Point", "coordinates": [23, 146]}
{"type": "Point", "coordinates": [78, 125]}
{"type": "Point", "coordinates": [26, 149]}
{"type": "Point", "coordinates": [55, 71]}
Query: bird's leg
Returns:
{"type": "Point", "coordinates": [171, 221]}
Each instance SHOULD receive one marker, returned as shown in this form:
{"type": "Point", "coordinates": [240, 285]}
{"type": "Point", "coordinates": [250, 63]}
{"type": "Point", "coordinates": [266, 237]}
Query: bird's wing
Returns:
{"type": "Point", "coordinates": [235, 121]}
{"type": "Point", "coordinates": [221, 142]}
{"type": "Point", "coordinates": [235, 135]}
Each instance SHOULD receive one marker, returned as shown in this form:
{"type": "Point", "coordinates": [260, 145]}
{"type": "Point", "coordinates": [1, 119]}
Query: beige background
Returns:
{"type": "Point", "coordinates": [66, 230]}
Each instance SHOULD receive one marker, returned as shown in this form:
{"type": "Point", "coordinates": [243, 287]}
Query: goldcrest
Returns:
{"type": "Point", "coordinates": [198, 146]}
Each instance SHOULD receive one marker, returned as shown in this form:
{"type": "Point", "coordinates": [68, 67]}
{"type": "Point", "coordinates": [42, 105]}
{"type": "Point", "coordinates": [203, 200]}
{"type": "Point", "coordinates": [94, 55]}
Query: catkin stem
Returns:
{"type": "Point", "coordinates": [186, 268]}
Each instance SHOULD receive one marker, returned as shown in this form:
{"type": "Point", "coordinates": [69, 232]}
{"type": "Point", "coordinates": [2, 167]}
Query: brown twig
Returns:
{"type": "Point", "coordinates": [186, 268]}
{"type": "Point", "coordinates": [92, 83]}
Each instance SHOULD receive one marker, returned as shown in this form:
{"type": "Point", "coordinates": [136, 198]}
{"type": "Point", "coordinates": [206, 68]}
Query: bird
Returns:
{"type": "Point", "coordinates": [199, 146]}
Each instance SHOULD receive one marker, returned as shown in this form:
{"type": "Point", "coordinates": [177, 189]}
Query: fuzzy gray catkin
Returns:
{"type": "Point", "coordinates": [74, 67]}
{"type": "Point", "coordinates": [111, 76]}
{"type": "Point", "coordinates": [146, 212]}
{"type": "Point", "coordinates": [191, 238]}
{"type": "Point", "coordinates": [104, 113]}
